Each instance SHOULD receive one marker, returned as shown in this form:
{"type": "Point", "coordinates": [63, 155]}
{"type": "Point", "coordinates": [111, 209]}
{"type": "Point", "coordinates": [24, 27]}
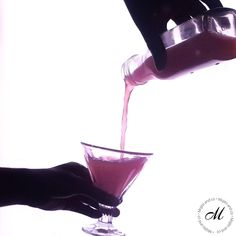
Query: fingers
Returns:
{"type": "Point", "coordinates": [86, 210]}
{"type": "Point", "coordinates": [101, 196]}
{"type": "Point", "coordinates": [196, 8]}
{"type": "Point", "coordinates": [158, 51]}
{"type": "Point", "coordinates": [212, 3]}
{"type": "Point", "coordinates": [111, 211]}
{"type": "Point", "coordinates": [81, 204]}
{"type": "Point", "coordinates": [218, 10]}
{"type": "Point", "coordinates": [181, 18]}
{"type": "Point", "coordinates": [74, 168]}
{"type": "Point", "coordinates": [151, 23]}
{"type": "Point", "coordinates": [88, 206]}
{"type": "Point", "coordinates": [151, 32]}
{"type": "Point", "coordinates": [89, 211]}
{"type": "Point", "coordinates": [186, 10]}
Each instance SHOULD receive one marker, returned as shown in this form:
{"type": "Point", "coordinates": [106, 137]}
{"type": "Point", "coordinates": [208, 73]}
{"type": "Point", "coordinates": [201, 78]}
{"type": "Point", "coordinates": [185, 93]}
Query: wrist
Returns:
{"type": "Point", "coordinates": [15, 185]}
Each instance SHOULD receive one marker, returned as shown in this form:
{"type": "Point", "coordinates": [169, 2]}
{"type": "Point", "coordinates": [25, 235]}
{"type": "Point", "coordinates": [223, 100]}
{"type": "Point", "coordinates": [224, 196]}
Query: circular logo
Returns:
{"type": "Point", "coordinates": [215, 215]}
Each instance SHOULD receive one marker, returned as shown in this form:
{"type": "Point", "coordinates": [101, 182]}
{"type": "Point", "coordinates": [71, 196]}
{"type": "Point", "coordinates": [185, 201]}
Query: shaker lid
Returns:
{"type": "Point", "coordinates": [219, 20]}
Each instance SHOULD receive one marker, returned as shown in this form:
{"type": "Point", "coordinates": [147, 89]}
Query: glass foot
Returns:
{"type": "Point", "coordinates": [102, 229]}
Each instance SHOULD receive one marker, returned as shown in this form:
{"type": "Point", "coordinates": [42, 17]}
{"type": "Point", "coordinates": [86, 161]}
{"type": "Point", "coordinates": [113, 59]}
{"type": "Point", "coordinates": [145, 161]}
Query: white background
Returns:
{"type": "Point", "coordinates": [61, 84]}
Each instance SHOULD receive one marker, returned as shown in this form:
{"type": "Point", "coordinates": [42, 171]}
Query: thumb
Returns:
{"type": "Point", "coordinates": [157, 48]}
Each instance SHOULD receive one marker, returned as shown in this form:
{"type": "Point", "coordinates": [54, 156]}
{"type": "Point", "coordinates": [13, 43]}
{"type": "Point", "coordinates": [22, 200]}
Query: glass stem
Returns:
{"type": "Point", "coordinates": [106, 217]}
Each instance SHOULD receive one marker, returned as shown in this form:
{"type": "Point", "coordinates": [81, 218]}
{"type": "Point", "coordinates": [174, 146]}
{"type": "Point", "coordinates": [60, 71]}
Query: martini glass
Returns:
{"type": "Point", "coordinates": [112, 171]}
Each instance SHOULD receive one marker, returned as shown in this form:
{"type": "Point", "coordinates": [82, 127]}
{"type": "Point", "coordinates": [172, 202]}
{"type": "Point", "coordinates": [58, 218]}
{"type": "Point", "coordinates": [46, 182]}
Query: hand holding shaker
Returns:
{"type": "Point", "coordinates": [203, 41]}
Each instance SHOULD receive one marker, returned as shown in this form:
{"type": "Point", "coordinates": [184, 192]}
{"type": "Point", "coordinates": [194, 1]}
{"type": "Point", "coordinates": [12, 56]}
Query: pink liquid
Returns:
{"type": "Point", "coordinates": [128, 90]}
{"type": "Point", "coordinates": [115, 175]}
{"type": "Point", "coordinates": [200, 51]}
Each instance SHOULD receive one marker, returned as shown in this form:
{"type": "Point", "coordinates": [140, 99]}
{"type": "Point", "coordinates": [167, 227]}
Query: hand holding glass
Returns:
{"type": "Point", "coordinates": [112, 171]}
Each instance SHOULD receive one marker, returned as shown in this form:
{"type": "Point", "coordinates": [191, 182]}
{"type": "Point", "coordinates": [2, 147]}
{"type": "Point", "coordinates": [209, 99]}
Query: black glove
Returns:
{"type": "Point", "coordinates": [152, 16]}
{"type": "Point", "coordinates": [64, 187]}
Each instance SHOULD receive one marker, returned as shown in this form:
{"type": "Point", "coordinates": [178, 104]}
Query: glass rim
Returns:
{"type": "Point", "coordinates": [117, 150]}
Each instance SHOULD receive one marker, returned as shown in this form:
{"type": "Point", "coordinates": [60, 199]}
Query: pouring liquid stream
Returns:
{"type": "Point", "coordinates": [201, 42]}
{"type": "Point", "coordinates": [128, 91]}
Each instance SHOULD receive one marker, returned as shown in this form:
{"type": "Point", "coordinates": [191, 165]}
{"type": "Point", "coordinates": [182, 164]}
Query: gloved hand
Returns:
{"type": "Point", "coordinates": [64, 187]}
{"type": "Point", "coordinates": [151, 18]}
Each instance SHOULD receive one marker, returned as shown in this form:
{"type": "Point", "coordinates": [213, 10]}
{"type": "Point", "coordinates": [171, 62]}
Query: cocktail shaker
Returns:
{"type": "Point", "coordinates": [200, 42]}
